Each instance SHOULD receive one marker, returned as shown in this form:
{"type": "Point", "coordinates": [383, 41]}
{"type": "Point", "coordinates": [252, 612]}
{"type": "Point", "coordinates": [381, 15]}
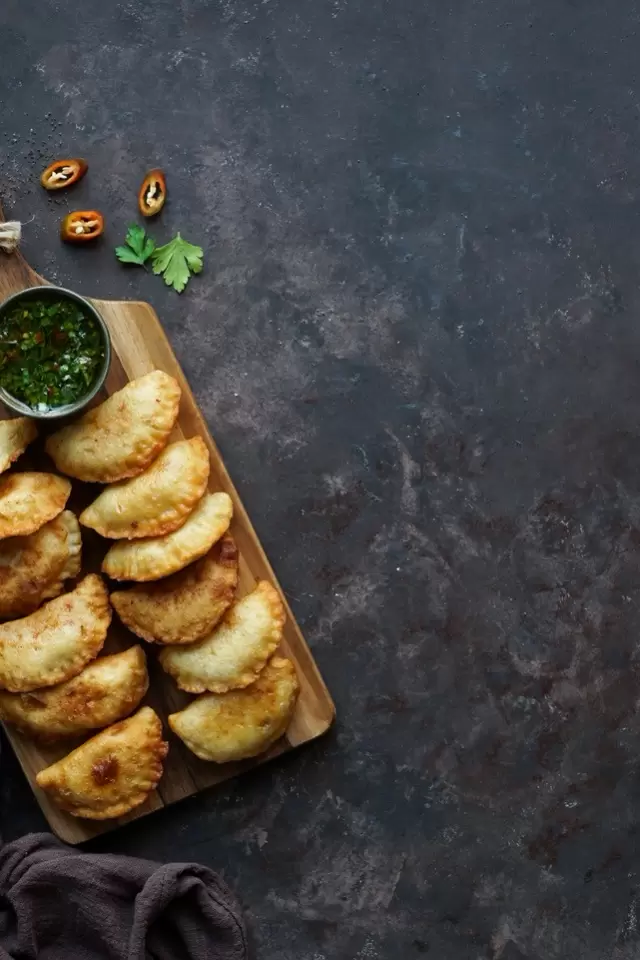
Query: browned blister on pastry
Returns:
{"type": "Point", "coordinates": [29, 500]}
{"type": "Point", "coordinates": [187, 606]}
{"type": "Point", "coordinates": [122, 436]}
{"type": "Point", "coordinates": [33, 569]}
{"type": "Point", "coordinates": [57, 641]}
{"type": "Point", "coordinates": [235, 653]}
{"type": "Point", "coordinates": [112, 773]}
{"type": "Point", "coordinates": [15, 437]}
{"type": "Point", "coordinates": [109, 689]}
{"type": "Point", "coordinates": [157, 501]}
{"type": "Point", "coordinates": [241, 723]}
{"type": "Point", "coordinates": [157, 557]}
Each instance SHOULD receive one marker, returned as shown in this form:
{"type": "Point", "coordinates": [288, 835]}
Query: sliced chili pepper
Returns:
{"type": "Point", "coordinates": [82, 226]}
{"type": "Point", "coordinates": [63, 173]}
{"type": "Point", "coordinates": [153, 193]}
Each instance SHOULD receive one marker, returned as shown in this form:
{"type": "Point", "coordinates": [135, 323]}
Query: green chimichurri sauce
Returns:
{"type": "Point", "coordinates": [50, 353]}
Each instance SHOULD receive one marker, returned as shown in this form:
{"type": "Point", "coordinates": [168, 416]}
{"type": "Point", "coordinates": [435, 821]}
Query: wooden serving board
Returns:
{"type": "Point", "coordinates": [139, 345]}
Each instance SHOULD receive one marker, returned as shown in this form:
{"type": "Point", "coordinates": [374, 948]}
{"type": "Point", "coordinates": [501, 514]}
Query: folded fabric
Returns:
{"type": "Point", "coordinates": [57, 903]}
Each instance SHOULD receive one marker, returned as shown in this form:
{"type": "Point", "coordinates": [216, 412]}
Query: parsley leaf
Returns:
{"type": "Point", "coordinates": [139, 246]}
{"type": "Point", "coordinates": [176, 261]}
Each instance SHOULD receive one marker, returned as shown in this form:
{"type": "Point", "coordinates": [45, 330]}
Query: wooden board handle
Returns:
{"type": "Point", "coordinates": [16, 274]}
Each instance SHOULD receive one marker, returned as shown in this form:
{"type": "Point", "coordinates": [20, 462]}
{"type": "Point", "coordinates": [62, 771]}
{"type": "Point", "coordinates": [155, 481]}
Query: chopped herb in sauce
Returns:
{"type": "Point", "coordinates": [50, 352]}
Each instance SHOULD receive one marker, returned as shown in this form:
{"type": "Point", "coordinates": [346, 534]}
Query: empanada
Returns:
{"type": "Point", "coordinates": [122, 436]}
{"type": "Point", "coordinates": [112, 773]}
{"type": "Point", "coordinates": [157, 501]}
{"type": "Point", "coordinates": [234, 654]}
{"type": "Point", "coordinates": [187, 606]}
{"type": "Point", "coordinates": [29, 500]}
{"type": "Point", "coordinates": [34, 568]}
{"type": "Point", "coordinates": [242, 723]}
{"type": "Point", "coordinates": [15, 437]}
{"type": "Point", "coordinates": [104, 692]}
{"type": "Point", "coordinates": [57, 641]}
{"type": "Point", "coordinates": [144, 560]}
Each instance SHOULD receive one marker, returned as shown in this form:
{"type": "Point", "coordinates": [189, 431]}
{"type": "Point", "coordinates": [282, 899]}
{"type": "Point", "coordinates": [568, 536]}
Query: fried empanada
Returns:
{"type": "Point", "coordinates": [57, 641]}
{"type": "Point", "coordinates": [156, 501]}
{"type": "Point", "coordinates": [242, 723]}
{"type": "Point", "coordinates": [107, 690]}
{"type": "Point", "coordinates": [29, 500]}
{"type": "Point", "coordinates": [157, 557]}
{"type": "Point", "coordinates": [122, 436]}
{"type": "Point", "coordinates": [15, 437]}
{"type": "Point", "coordinates": [112, 773]}
{"type": "Point", "coordinates": [34, 568]}
{"type": "Point", "coordinates": [187, 606]}
{"type": "Point", "coordinates": [234, 654]}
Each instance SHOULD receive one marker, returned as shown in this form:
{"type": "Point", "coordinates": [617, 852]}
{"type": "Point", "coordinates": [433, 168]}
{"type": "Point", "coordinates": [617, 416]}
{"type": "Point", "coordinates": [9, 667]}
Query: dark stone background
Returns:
{"type": "Point", "coordinates": [417, 344]}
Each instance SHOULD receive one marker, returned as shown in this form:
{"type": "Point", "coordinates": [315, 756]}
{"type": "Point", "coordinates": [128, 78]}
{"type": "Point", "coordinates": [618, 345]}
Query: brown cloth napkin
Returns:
{"type": "Point", "coordinates": [57, 903]}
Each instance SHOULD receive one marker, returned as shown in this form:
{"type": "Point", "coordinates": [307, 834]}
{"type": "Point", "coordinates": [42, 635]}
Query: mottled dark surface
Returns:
{"type": "Point", "coordinates": [417, 342]}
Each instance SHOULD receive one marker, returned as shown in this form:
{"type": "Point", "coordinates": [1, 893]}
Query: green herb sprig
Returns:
{"type": "Point", "coordinates": [176, 262]}
{"type": "Point", "coordinates": [138, 246]}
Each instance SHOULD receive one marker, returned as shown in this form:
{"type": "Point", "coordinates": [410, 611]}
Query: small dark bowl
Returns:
{"type": "Point", "coordinates": [69, 409]}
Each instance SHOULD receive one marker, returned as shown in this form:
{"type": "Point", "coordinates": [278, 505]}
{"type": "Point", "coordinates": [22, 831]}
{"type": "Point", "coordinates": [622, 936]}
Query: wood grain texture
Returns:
{"type": "Point", "coordinates": [139, 346]}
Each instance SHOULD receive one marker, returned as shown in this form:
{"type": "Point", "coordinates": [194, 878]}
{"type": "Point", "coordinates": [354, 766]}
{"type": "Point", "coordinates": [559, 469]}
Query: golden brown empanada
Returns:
{"type": "Point", "coordinates": [29, 500]}
{"type": "Point", "coordinates": [234, 654]}
{"type": "Point", "coordinates": [109, 689]}
{"type": "Point", "coordinates": [122, 436]}
{"type": "Point", "coordinates": [186, 606]}
{"type": "Point", "coordinates": [157, 501]}
{"type": "Point", "coordinates": [156, 557]}
{"type": "Point", "coordinates": [242, 723]}
{"type": "Point", "coordinates": [112, 773]}
{"type": "Point", "coordinates": [57, 641]}
{"type": "Point", "coordinates": [15, 437]}
{"type": "Point", "coordinates": [34, 568]}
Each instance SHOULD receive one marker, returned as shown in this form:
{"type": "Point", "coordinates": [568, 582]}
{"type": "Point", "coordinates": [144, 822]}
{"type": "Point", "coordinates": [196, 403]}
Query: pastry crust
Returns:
{"type": "Point", "coordinates": [57, 641]}
{"type": "Point", "coordinates": [187, 606]}
{"type": "Point", "coordinates": [122, 436]}
{"type": "Point", "coordinates": [109, 689]}
{"type": "Point", "coordinates": [34, 568]}
{"type": "Point", "coordinates": [15, 437]}
{"type": "Point", "coordinates": [156, 557]}
{"type": "Point", "coordinates": [29, 500]}
{"type": "Point", "coordinates": [236, 652]}
{"type": "Point", "coordinates": [112, 773]}
{"type": "Point", "coordinates": [242, 723]}
{"type": "Point", "coordinates": [157, 501]}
